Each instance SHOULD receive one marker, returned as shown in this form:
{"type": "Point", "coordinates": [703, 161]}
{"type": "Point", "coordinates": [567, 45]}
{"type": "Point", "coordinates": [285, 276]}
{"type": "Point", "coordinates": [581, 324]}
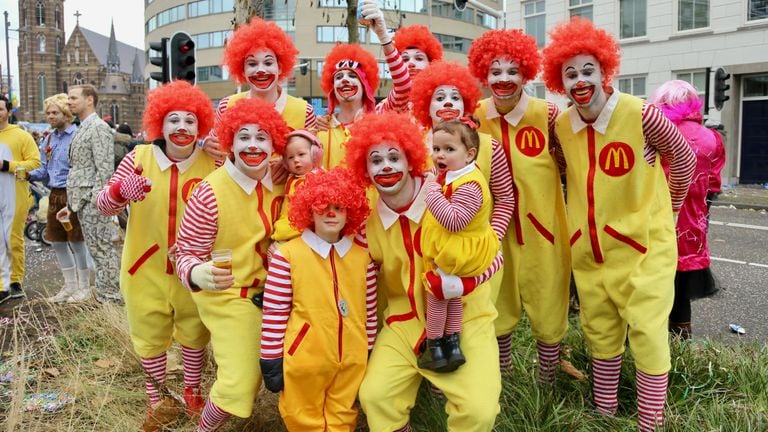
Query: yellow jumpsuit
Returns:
{"type": "Point", "coordinates": [325, 352]}
{"type": "Point", "coordinates": [159, 307]}
{"type": "Point", "coordinates": [392, 379]}
{"type": "Point", "coordinates": [244, 225]}
{"type": "Point", "coordinates": [283, 229]}
{"type": "Point", "coordinates": [536, 254]}
{"type": "Point", "coordinates": [623, 237]}
{"type": "Point", "coordinates": [334, 142]}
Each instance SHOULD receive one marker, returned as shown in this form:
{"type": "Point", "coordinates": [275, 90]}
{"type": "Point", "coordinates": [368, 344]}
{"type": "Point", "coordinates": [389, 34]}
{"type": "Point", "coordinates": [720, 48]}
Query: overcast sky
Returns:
{"type": "Point", "coordinates": [96, 15]}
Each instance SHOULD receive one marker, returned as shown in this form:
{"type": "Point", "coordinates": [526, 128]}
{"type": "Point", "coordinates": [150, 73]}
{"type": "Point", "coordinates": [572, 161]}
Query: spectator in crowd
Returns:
{"type": "Point", "coordinates": [123, 142]}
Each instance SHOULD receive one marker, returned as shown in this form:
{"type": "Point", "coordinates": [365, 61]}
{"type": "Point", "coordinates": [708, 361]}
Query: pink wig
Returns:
{"type": "Point", "coordinates": [388, 127]}
{"type": "Point", "coordinates": [325, 188]}
{"type": "Point", "coordinates": [678, 100]}
{"type": "Point", "coordinates": [443, 73]}
{"type": "Point", "coordinates": [513, 43]}
{"type": "Point", "coordinates": [252, 111]}
{"type": "Point", "coordinates": [575, 37]}
{"type": "Point", "coordinates": [258, 35]}
{"type": "Point", "coordinates": [419, 37]}
{"type": "Point", "coordinates": [176, 96]}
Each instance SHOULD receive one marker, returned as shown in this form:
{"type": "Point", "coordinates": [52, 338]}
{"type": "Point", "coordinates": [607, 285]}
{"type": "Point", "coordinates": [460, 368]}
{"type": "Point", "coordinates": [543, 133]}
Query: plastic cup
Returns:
{"type": "Point", "coordinates": [66, 223]}
{"type": "Point", "coordinates": [222, 258]}
{"type": "Point", "coordinates": [360, 20]}
{"type": "Point", "coordinates": [21, 173]}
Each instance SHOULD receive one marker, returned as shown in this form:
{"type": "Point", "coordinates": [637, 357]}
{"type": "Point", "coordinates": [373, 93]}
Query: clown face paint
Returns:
{"type": "Point", "coordinates": [582, 80]}
{"type": "Point", "coordinates": [387, 167]}
{"type": "Point", "coordinates": [180, 131]}
{"type": "Point", "coordinates": [504, 79]}
{"type": "Point", "coordinates": [446, 104]}
{"type": "Point", "coordinates": [329, 222]}
{"type": "Point", "coordinates": [261, 69]}
{"type": "Point", "coordinates": [415, 60]}
{"type": "Point", "coordinates": [347, 86]}
{"type": "Point", "coordinates": [252, 148]}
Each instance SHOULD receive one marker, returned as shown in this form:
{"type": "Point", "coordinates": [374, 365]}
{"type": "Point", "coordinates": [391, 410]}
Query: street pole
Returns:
{"type": "Point", "coordinates": [8, 55]}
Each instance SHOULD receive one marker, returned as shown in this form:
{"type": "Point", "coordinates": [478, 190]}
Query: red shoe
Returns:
{"type": "Point", "coordinates": [194, 400]}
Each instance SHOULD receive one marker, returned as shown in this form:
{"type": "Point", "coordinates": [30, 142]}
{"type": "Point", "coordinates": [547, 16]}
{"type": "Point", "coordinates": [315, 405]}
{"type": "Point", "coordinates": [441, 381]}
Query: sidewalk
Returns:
{"type": "Point", "coordinates": [743, 196]}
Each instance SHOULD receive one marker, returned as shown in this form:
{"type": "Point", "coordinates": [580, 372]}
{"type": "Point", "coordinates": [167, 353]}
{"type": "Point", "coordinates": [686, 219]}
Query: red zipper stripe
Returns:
{"type": "Point", "coordinates": [622, 238]}
{"type": "Point", "coordinates": [172, 210]}
{"type": "Point", "coordinates": [540, 228]}
{"type": "Point", "coordinates": [598, 254]}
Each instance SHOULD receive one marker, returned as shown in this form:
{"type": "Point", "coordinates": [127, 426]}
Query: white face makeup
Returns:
{"type": "Point", "coordinates": [330, 222]}
{"type": "Point", "coordinates": [446, 104]}
{"type": "Point", "coordinates": [504, 78]}
{"type": "Point", "coordinates": [180, 129]}
{"type": "Point", "coordinates": [347, 86]}
{"type": "Point", "coordinates": [261, 69]}
{"type": "Point", "coordinates": [387, 167]}
{"type": "Point", "coordinates": [583, 81]}
{"type": "Point", "coordinates": [252, 148]}
{"type": "Point", "coordinates": [415, 60]}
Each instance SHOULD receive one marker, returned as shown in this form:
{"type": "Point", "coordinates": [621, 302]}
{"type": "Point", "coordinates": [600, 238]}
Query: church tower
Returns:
{"type": "Point", "coordinates": [41, 44]}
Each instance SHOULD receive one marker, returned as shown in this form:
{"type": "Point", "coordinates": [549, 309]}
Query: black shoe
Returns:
{"type": "Point", "coordinates": [452, 350]}
{"type": "Point", "coordinates": [433, 358]}
{"type": "Point", "coordinates": [16, 291]}
{"type": "Point", "coordinates": [4, 296]}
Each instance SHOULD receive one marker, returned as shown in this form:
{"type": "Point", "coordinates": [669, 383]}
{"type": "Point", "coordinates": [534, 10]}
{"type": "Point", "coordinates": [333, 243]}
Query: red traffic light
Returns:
{"type": "Point", "coordinates": [186, 47]}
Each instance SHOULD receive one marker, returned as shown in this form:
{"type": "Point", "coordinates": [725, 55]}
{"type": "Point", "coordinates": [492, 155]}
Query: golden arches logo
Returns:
{"type": "Point", "coordinates": [530, 141]}
{"type": "Point", "coordinates": [189, 187]}
{"type": "Point", "coordinates": [616, 159]}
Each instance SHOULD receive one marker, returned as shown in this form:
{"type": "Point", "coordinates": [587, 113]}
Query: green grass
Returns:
{"type": "Point", "coordinates": [713, 386]}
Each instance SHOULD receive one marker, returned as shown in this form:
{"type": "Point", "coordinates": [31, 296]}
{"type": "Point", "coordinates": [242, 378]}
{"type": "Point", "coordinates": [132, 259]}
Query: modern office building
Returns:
{"type": "Point", "coordinates": [688, 40]}
{"type": "Point", "coordinates": [315, 25]}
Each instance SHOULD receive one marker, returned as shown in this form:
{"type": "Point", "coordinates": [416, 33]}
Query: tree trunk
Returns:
{"type": "Point", "coordinates": [352, 22]}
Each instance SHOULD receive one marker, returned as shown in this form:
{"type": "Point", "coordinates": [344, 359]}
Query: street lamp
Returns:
{"type": "Point", "coordinates": [8, 55]}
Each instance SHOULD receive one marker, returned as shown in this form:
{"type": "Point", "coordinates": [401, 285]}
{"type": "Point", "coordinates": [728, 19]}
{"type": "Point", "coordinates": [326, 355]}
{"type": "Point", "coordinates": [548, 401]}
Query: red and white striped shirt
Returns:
{"type": "Point", "coordinates": [197, 232]}
{"type": "Point", "coordinates": [502, 190]}
{"type": "Point", "coordinates": [397, 99]}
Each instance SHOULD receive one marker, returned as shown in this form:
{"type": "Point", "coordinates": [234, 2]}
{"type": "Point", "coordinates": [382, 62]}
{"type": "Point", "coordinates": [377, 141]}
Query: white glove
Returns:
{"type": "Point", "coordinates": [202, 275]}
{"type": "Point", "coordinates": [452, 286]}
{"type": "Point", "coordinates": [370, 10]}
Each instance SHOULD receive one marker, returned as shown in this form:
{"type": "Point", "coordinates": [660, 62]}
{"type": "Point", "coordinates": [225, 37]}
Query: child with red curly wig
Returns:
{"type": "Point", "coordinates": [156, 180]}
{"type": "Point", "coordinates": [386, 150]}
{"type": "Point", "coordinates": [233, 210]}
{"type": "Point", "coordinates": [620, 214]}
{"type": "Point", "coordinates": [320, 307]}
{"type": "Point", "coordinates": [504, 61]}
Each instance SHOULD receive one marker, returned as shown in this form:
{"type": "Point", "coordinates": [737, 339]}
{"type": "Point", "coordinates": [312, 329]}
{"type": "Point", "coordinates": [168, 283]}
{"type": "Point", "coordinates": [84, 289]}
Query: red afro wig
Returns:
{"type": "Point", "coordinates": [252, 111]}
{"type": "Point", "coordinates": [438, 74]}
{"type": "Point", "coordinates": [512, 43]}
{"type": "Point", "coordinates": [324, 188]}
{"type": "Point", "coordinates": [388, 127]}
{"type": "Point", "coordinates": [367, 70]}
{"type": "Point", "coordinates": [579, 36]}
{"type": "Point", "coordinates": [259, 34]}
{"type": "Point", "coordinates": [176, 96]}
{"type": "Point", "coordinates": [419, 37]}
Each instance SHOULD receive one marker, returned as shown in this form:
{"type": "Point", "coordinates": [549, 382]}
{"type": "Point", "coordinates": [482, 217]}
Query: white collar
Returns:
{"type": "Point", "coordinates": [415, 212]}
{"type": "Point", "coordinates": [281, 101]}
{"type": "Point", "coordinates": [164, 163]}
{"type": "Point", "coordinates": [246, 183]}
{"type": "Point", "coordinates": [452, 176]}
{"type": "Point", "coordinates": [513, 117]}
{"type": "Point", "coordinates": [601, 123]}
{"type": "Point", "coordinates": [322, 247]}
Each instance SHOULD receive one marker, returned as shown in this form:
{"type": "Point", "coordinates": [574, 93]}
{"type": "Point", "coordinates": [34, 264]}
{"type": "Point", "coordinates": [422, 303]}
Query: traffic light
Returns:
{"type": "Point", "coordinates": [304, 67]}
{"type": "Point", "coordinates": [181, 50]}
{"type": "Point", "coordinates": [164, 75]}
{"type": "Point", "coordinates": [459, 5]}
{"type": "Point", "coordinates": [721, 88]}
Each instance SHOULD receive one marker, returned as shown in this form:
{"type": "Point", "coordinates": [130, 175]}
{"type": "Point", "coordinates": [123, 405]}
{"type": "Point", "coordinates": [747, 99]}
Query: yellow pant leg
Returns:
{"type": "Point", "coordinates": [235, 326]}
{"type": "Point", "coordinates": [301, 402]}
{"type": "Point", "coordinates": [18, 258]}
{"type": "Point", "coordinates": [508, 302]}
{"type": "Point", "coordinates": [340, 409]}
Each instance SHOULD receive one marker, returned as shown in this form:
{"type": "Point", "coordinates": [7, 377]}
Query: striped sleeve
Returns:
{"type": "Point", "coordinates": [310, 119]}
{"type": "Point", "coordinates": [361, 239]}
{"type": "Point", "coordinates": [371, 322]}
{"type": "Point", "coordinates": [197, 232]}
{"type": "Point", "coordinates": [502, 191]}
{"type": "Point", "coordinates": [107, 205]}
{"type": "Point", "coordinates": [491, 270]}
{"type": "Point", "coordinates": [456, 213]}
{"type": "Point", "coordinates": [662, 136]}
{"type": "Point", "coordinates": [278, 300]}
{"type": "Point", "coordinates": [554, 144]}
{"type": "Point", "coordinates": [397, 99]}
{"type": "Point", "coordinates": [218, 113]}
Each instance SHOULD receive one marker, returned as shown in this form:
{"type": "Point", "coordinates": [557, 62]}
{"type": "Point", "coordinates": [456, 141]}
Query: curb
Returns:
{"type": "Point", "coordinates": [740, 205]}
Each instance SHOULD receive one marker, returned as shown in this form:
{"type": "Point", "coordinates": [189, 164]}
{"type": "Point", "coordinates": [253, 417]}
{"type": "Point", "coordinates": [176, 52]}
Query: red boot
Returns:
{"type": "Point", "coordinates": [194, 400]}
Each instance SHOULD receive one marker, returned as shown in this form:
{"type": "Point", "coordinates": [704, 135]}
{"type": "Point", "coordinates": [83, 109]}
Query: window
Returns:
{"type": "Point", "coordinates": [333, 3]}
{"type": "Point", "coordinates": [337, 34]}
{"type": "Point", "coordinates": [454, 43]}
{"type": "Point", "coordinates": [210, 40]}
{"type": "Point", "coordinates": [208, 7]}
{"type": "Point", "coordinates": [582, 8]}
{"type": "Point", "coordinates": [58, 45]}
{"type": "Point", "coordinates": [633, 18]}
{"type": "Point", "coordinates": [418, 6]}
{"type": "Point", "coordinates": [57, 17]}
{"type": "Point", "coordinates": [40, 13]}
{"type": "Point", "coordinates": [23, 16]}
{"type": "Point", "coordinates": [692, 14]}
{"type": "Point", "coordinates": [633, 85]}
{"type": "Point", "coordinates": [79, 80]}
{"type": "Point", "coordinates": [114, 111]}
{"type": "Point", "coordinates": [535, 20]}
{"type": "Point", "coordinates": [212, 73]}
{"type": "Point", "coordinates": [698, 79]}
{"type": "Point", "coordinates": [41, 91]}
{"type": "Point", "coordinates": [23, 43]}
{"type": "Point", "coordinates": [384, 71]}
{"type": "Point", "coordinates": [40, 43]}
{"type": "Point", "coordinates": [164, 18]}
{"type": "Point", "coordinates": [446, 10]}
{"type": "Point", "coordinates": [487, 20]}
{"type": "Point", "coordinates": [755, 86]}
{"type": "Point", "coordinates": [758, 9]}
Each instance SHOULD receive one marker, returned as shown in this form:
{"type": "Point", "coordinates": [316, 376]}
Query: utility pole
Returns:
{"type": "Point", "coordinates": [8, 55]}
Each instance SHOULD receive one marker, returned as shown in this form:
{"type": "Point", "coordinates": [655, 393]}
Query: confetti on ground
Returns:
{"type": "Point", "coordinates": [47, 401]}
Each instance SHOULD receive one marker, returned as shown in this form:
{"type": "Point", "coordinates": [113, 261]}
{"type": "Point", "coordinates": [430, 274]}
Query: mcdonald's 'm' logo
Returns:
{"type": "Point", "coordinates": [616, 159]}
{"type": "Point", "coordinates": [530, 141]}
{"type": "Point", "coordinates": [189, 187]}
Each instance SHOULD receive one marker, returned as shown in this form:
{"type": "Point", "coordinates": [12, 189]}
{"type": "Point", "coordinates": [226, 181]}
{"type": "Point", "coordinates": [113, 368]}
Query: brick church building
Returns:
{"type": "Point", "coordinates": [49, 65]}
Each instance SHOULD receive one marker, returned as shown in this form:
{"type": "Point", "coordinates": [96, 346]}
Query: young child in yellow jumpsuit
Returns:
{"type": "Point", "coordinates": [233, 210]}
{"type": "Point", "coordinates": [320, 307]}
{"type": "Point", "coordinates": [620, 214]}
{"type": "Point", "coordinates": [458, 237]}
{"type": "Point", "coordinates": [160, 309]}
{"type": "Point", "coordinates": [386, 150]}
